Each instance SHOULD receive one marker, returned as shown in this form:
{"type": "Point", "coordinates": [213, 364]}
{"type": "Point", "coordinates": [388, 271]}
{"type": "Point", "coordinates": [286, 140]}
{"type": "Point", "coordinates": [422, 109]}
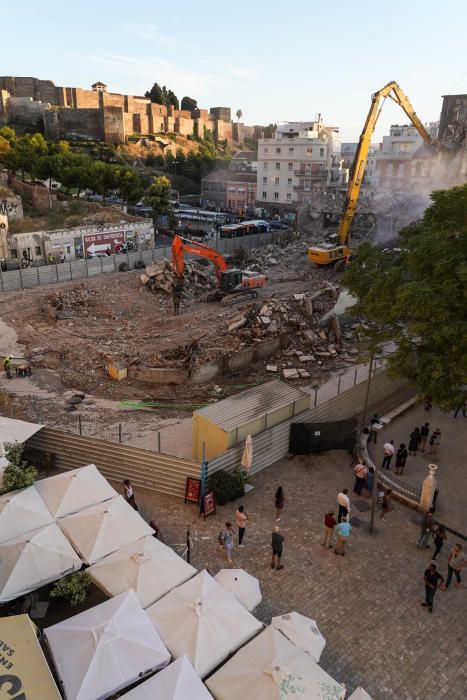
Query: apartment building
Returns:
{"type": "Point", "coordinates": [299, 157]}
{"type": "Point", "coordinates": [230, 191]}
{"type": "Point", "coordinates": [393, 160]}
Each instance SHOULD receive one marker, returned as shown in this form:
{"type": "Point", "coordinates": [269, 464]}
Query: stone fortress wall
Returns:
{"type": "Point", "coordinates": [75, 113]}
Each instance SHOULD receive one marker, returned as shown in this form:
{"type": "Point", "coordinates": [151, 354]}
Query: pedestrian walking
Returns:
{"type": "Point", "coordinates": [427, 527]}
{"type": "Point", "coordinates": [428, 402]}
{"type": "Point", "coordinates": [462, 407]}
{"type": "Point", "coordinates": [277, 547]}
{"type": "Point", "coordinates": [373, 432]}
{"type": "Point", "coordinates": [344, 505]}
{"type": "Point", "coordinates": [424, 432]}
{"type": "Point", "coordinates": [440, 535]}
{"type": "Point", "coordinates": [128, 494]}
{"type": "Point", "coordinates": [361, 473]}
{"type": "Point", "coordinates": [414, 441]}
{"type": "Point", "coordinates": [434, 441]}
{"type": "Point", "coordinates": [240, 519]}
{"type": "Point", "coordinates": [387, 503]}
{"type": "Point", "coordinates": [342, 532]}
{"type": "Point", "coordinates": [279, 502]}
{"type": "Point", "coordinates": [370, 480]}
{"type": "Point", "coordinates": [401, 458]}
{"type": "Point", "coordinates": [432, 579]}
{"type": "Point", "coordinates": [7, 366]}
{"type": "Point", "coordinates": [329, 525]}
{"type": "Point", "coordinates": [456, 562]}
{"type": "Point", "coordinates": [226, 538]}
{"type": "Point", "coordinates": [388, 451]}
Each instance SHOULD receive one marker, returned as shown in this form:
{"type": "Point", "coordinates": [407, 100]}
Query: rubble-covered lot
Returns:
{"type": "Point", "coordinates": [71, 332]}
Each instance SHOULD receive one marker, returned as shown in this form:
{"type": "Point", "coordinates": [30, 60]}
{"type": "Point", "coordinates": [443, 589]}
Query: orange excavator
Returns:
{"type": "Point", "coordinates": [234, 286]}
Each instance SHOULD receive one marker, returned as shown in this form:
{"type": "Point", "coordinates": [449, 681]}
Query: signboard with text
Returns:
{"type": "Point", "coordinates": [192, 490]}
{"type": "Point", "coordinates": [99, 243]}
{"type": "Point", "coordinates": [208, 504]}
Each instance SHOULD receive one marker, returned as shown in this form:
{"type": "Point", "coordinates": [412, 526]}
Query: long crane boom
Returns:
{"type": "Point", "coordinates": [395, 93]}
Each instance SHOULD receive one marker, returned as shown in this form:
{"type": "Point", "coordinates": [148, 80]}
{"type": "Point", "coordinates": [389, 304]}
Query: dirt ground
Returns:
{"type": "Point", "coordinates": [114, 318]}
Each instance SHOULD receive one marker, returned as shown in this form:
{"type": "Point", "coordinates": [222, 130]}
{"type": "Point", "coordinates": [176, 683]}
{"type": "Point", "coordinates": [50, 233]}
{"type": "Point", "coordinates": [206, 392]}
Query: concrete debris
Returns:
{"type": "Point", "coordinates": [271, 368]}
{"type": "Point", "coordinates": [290, 373]}
{"type": "Point", "coordinates": [159, 277]}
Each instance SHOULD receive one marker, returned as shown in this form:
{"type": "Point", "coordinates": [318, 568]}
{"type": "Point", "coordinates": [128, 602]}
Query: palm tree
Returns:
{"type": "Point", "coordinates": [239, 114]}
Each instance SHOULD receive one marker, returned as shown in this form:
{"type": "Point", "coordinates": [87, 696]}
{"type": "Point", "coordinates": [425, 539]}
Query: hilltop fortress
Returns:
{"type": "Point", "coordinates": [73, 113]}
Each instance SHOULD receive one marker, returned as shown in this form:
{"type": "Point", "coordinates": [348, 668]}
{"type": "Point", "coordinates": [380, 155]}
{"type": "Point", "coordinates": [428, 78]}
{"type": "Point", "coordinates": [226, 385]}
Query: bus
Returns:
{"type": "Point", "coordinates": [245, 228]}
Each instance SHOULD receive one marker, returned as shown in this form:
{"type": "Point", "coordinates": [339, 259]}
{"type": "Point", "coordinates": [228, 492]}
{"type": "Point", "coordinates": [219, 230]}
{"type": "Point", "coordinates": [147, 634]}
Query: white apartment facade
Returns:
{"type": "Point", "coordinates": [393, 160]}
{"type": "Point", "coordinates": [300, 156]}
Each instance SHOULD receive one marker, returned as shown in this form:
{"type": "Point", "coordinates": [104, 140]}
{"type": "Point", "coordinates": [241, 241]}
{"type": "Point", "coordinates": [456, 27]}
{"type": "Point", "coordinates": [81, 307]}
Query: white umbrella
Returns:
{"type": "Point", "coordinates": [106, 648]}
{"type": "Point", "coordinates": [178, 681]}
{"type": "Point", "coordinates": [22, 511]}
{"type": "Point", "coordinates": [204, 621]}
{"type": "Point", "coordinates": [243, 585]}
{"type": "Point", "coordinates": [34, 559]}
{"type": "Point", "coordinates": [301, 631]}
{"type": "Point", "coordinates": [359, 694]}
{"type": "Point", "coordinates": [247, 457]}
{"type": "Point", "coordinates": [74, 490]}
{"type": "Point", "coordinates": [104, 528]}
{"type": "Point", "coordinates": [149, 567]}
{"type": "Point", "coordinates": [272, 668]}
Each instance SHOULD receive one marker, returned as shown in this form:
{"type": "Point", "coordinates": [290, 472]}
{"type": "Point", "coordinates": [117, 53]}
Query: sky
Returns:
{"type": "Point", "coordinates": [276, 61]}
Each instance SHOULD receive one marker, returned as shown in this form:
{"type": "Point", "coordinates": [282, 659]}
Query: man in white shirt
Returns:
{"type": "Point", "coordinates": [388, 453]}
{"type": "Point", "coordinates": [344, 505]}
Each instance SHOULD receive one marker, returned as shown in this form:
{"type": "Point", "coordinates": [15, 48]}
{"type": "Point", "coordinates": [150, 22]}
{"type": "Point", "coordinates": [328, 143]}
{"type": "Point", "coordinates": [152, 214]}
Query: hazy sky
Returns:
{"type": "Point", "coordinates": [277, 61]}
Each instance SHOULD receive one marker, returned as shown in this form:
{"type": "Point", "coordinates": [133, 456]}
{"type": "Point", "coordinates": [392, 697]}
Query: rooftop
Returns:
{"type": "Point", "coordinates": [251, 404]}
{"type": "Point", "coordinates": [225, 175]}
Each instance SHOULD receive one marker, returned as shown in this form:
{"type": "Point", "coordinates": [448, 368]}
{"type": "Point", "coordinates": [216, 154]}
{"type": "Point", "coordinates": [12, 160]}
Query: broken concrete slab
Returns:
{"type": "Point", "coordinates": [271, 368]}
{"type": "Point", "coordinates": [237, 324]}
{"type": "Point", "coordinates": [291, 373]}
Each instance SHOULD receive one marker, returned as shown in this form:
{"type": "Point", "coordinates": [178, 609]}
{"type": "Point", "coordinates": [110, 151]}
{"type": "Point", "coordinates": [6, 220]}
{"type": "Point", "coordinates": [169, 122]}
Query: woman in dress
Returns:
{"type": "Point", "coordinates": [279, 502]}
{"type": "Point", "coordinates": [401, 458]}
{"type": "Point", "coordinates": [414, 441]}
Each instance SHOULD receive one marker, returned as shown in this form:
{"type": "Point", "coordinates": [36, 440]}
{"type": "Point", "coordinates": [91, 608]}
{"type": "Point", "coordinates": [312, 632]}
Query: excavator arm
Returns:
{"type": "Point", "coordinates": [394, 92]}
{"type": "Point", "coordinates": [180, 246]}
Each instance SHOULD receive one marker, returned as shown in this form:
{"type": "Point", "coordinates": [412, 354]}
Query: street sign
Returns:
{"type": "Point", "coordinates": [94, 243]}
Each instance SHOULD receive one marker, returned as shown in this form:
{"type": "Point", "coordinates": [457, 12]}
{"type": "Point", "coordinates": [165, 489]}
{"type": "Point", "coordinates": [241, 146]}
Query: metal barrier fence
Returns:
{"type": "Point", "coordinates": [81, 269]}
{"type": "Point", "coordinates": [149, 470]}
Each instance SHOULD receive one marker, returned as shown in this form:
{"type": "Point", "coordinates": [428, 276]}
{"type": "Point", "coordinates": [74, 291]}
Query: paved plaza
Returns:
{"type": "Point", "coordinates": [366, 604]}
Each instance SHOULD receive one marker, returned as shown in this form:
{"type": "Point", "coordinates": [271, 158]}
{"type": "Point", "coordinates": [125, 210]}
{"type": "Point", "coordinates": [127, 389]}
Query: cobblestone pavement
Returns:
{"type": "Point", "coordinates": [367, 604]}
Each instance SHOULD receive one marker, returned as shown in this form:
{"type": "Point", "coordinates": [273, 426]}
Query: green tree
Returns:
{"type": "Point", "coordinates": [239, 114]}
{"type": "Point", "coordinates": [73, 588]}
{"type": "Point", "coordinates": [103, 177]}
{"type": "Point", "coordinates": [18, 474]}
{"type": "Point", "coordinates": [156, 95]}
{"type": "Point", "coordinates": [129, 184]}
{"type": "Point", "coordinates": [172, 99]}
{"type": "Point", "coordinates": [189, 103]}
{"type": "Point", "coordinates": [417, 296]}
{"type": "Point", "coordinates": [157, 196]}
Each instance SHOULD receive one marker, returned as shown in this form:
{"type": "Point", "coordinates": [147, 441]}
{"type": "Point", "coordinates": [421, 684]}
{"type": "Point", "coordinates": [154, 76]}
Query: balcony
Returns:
{"type": "Point", "coordinates": [313, 174]}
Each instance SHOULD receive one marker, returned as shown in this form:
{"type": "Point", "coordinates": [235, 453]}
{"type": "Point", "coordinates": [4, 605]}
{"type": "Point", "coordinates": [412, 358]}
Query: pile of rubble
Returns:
{"type": "Point", "coordinates": [60, 305]}
{"type": "Point", "coordinates": [158, 277]}
{"type": "Point", "coordinates": [313, 333]}
{"type": "Point", "coordinates": [277, 257]}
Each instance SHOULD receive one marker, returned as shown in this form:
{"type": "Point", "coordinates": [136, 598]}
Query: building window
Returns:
{"type": "Point", "coordinates": [266, 149]}
{"type": "Point", "coordinates": [321, 152]}
{"type": "Point", "coordinates": [309, 150]}
{"type": "Point", "coordinates": [289, 181]}
{"type": "Point", "coordinates": [264, 195]}
{"type": "Point", "coordinates": [290, 150]}
{"type": "Point", "coordinates": [265, 180]}
{"type": "Point", "coordinates": [276, 195]}
{"type": "Point", "coordinates": [276, 181]}
{"type": "Point", "coordinates": [14, 253]}
{"type": "Point", "coordinates": [289, 197]}
{"type": "Point", "coordinates": [265, 166]}
{"type": "Point", "coordinates": [306, 184]}
{"type": "Point", "coordinates": [278, 166]}
{"type": "Point", "coordinates": [278, 150]}
{"type": "Point", "coordinates": [38, 250]}
{"type": "Point", "coordinates": [241, 190]}
{"type": "Point", "coordinates": [239, 203]}
{"type": "Point", "coordinates": [290, 166]}
{"type": "Point", "coordinates": [307, 198]}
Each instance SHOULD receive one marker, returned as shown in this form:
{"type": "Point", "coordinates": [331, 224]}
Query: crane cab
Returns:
{"type": "Point", "coordinates": [236, 280]}
{"type": "Point", "coordinates": [327, 254]}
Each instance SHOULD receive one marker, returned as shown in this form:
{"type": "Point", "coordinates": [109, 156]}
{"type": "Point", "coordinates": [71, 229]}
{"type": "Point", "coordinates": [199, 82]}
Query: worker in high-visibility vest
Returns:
{"type": "Point", "coordinates": [7, 366]}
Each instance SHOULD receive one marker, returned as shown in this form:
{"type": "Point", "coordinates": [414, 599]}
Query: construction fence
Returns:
{"type": "Point", "coordinates": [272, 445]}
{"type": "Point", "coordinates": [81, 269]}
{"type": "Point", "coordinates": [149, 470]}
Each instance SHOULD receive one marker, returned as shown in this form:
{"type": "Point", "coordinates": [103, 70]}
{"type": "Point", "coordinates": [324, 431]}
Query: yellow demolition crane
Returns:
{"type": "Point", "coordinates": [324, 253]}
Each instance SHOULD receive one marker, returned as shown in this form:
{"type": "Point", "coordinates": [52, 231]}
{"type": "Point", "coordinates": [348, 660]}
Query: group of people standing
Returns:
{"type": "Point", "coordinates": [417, 441]}
{"type": "Point", "coordinates": [227, 535]}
